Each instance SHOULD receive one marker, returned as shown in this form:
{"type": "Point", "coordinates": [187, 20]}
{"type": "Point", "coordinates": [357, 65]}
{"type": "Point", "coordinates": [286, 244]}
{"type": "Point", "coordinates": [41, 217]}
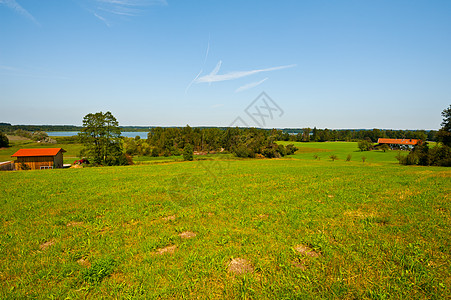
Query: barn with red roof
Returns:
{"type": "Point", "coordinates": [40, 158]}
{"type": "Point", "coordinates": [399, 143]}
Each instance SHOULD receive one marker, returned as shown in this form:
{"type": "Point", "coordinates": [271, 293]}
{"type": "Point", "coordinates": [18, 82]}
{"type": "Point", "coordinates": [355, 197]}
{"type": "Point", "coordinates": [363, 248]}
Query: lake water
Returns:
{"type": "Point", "coordinates": [142, 135]}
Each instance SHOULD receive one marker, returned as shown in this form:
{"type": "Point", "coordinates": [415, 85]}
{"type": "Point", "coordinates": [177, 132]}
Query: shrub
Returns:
{"type": "Point", "coordinates": [243, 151]}
{"type": "Point", "coordinates": [365, 145]}
{"type": "Point", "coordinates": [409, 159]}
{"type": "Point", "coordinates": [129, 160]}
{"type": "Point", "coordinates": [188, 152]}
{"type": "Point", "coordinates": [4, 142]}
{"type": "Point", "coordinates": [440, 156]}
{"type": "Point", "coordinates": [23, 133]}
{"type": "Point", "coordinates": [291, 149]}
{"type": "Point", "coordinates": [281, 150]}
{"type": "Point", "coordinates": [39, 136]}
{"type": "Point", "coordinates": [166, 153]}
{"type": "Point", "coordinates": [384, 147]}
{"type": "Point", "coordinates": [333, 157]}
{"type": "Point", "coordinates": [363, 158]}
{"type": "Point", "coordinates": [348, 158]}
{"type": "Point", "coordinates": [270, 152]}
{"type": "Point", "coordinates": [154, 152]}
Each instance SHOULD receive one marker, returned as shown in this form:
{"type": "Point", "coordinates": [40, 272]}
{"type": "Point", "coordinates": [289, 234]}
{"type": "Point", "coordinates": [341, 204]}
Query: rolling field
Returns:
{"type": "Point", "coordinates": [281, 228]}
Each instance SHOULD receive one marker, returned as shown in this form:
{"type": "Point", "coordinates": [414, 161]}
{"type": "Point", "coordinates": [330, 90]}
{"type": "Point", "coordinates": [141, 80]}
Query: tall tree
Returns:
{"type": "Point", "coordinates": [4, 142]}
{"type": "Point", "coordinates": [444, 134]}
{"type": "Point", "coordinates": [101, 136]}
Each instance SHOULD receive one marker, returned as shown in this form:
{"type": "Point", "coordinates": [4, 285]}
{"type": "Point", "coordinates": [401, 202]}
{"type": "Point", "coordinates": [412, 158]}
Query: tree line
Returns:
{"type": "Point", "coordinates": [286, 134]}
{"type": "Point", "coordinates": [439, 155]}
{"type": "Point", "coordinates": [243, 142]}
{"type": "Point", "coordinates": [353, 135]}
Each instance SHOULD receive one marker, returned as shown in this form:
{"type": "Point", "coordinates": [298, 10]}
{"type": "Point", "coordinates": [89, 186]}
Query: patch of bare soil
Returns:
{"type": "Point", "coordinates": [187, 235]}
{"type": "Point", "coordinates": [46, 245]}
{"type": "Point", "coordinates": [84, 262]}
{"type": "Point", "coordinates": [169, 218]}
{"type": "Point", "coordinates": [263, 216]}
{"type": "Point", "coordinates": [240, 266]}
{"type": "Point", "coordinates": [168, 249]}
{"type": "Point", "coordinates": [307, 251]}
{"type": "Point", "coordinates": [299, 264]}
{"type": "Point", "coordinates": [130, 223]}
{"type": "Point", "coordinates": [210, 214]}
{"type": "Point", "coordinates": [357, 214]}
{"type": "Point", "coordinates": [74, 224]}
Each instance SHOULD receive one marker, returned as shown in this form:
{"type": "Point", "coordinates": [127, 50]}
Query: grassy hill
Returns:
{"type": "Point", "coordinates": [281, 228]}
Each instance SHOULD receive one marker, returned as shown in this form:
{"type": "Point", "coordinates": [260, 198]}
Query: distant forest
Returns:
{"type": "Point", "coordinates": [286, 134]}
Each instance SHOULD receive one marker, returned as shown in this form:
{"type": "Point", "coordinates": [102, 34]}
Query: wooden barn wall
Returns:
{"type": "Point", "coordinates": [34, 162]}
{"type": "Point", "coordinates": [58, 161]}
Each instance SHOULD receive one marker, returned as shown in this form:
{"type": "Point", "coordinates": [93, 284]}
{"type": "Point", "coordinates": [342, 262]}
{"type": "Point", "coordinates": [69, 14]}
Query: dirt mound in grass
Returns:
{"type": "Point", "coordinates": [84, 262]}
{"type": "Point", "coordinates": [307, 251]}
{"type": "Point", "coordinates": [299, 264]}
{"type": "Point", "coordinates": [240, 266]}
{"type": "Point", "coordinates": [44, 246]}
{"type": "Point", "coordinates": [169, 218]}
{"type": "Point", "coordinates": [168, 249]}
{"type": "Point", "coordinates": [70, 224]}
{"type": "Point", "coordinates": [187, 235]}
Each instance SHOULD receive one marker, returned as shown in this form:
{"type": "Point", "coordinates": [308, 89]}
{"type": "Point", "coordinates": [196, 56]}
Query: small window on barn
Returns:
{"type": "Point", "coordinates": [46, 167]}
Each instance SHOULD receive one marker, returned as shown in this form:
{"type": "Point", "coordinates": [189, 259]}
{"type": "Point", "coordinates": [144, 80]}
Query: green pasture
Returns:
{"type": "Point", "coordinates": [308, 229]}
{"type": "Point", "coordinates": [342, 149]}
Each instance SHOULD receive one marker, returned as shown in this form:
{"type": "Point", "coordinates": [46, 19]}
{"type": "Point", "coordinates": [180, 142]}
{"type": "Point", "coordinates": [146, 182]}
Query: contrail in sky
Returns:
{"type": "Point", "coordinates": [19, 9]}
{"type": "Point", "coordinates": [214, 77]}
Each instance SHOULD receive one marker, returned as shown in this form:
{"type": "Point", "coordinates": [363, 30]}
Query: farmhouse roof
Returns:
{"type": "Point", "coordinates": [398, 141]}
{"type": "Point", "coordinates": [38, 152]}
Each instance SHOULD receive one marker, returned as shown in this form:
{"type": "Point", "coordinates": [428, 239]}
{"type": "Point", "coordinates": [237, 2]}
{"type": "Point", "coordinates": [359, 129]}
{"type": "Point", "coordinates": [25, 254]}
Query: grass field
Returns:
{"type": "Point", "coordinates": [342, 150]}
{"type": "Point", "coordinates": [296, 228]}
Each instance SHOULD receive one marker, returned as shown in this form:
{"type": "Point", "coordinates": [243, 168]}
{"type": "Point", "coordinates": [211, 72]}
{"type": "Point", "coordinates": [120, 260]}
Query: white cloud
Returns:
{"type": "Point", "coordinates": [19, 9]}
{"type": "Point", "coordinates": [108, 10]}
{"type": "Point", "coordinates": [214, 77]}
{"type": "Point", "coordinates": [126, 7]}
{"type": "Point", "coordinates": [250, 85]}
{"type": "Point", "coordinates": [102, 19]}
{"type": "Point", "coordinates": [29, 72]}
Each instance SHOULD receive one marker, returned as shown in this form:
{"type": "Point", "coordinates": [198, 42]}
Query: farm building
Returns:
{"type": "Point", "coordinates": [399, 143]}
{"type": "Point", "coordinates": [44, 158]}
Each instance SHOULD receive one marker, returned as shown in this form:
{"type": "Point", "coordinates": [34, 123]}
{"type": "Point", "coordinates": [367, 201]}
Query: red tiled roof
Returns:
{"type": "Point", "coordinates": [398, 141]}
{"type": "Point", "coordinates": [38, 152]}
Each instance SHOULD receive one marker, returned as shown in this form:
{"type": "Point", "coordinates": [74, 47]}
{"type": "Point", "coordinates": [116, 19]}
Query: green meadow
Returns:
{"type": "Point", "coordinates": [299, 227]}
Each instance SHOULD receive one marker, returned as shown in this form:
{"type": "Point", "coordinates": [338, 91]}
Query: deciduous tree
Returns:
{"type": "Point", "coordinates": [101, 136]}
{"type": "Point", "coordinates": [444, 134]}
{"type": "Point", "coordinates": [4, 142]}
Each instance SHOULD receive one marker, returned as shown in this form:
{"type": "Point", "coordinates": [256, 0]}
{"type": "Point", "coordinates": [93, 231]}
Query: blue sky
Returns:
{"type": "Point", "coordinates": [329, 64]}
